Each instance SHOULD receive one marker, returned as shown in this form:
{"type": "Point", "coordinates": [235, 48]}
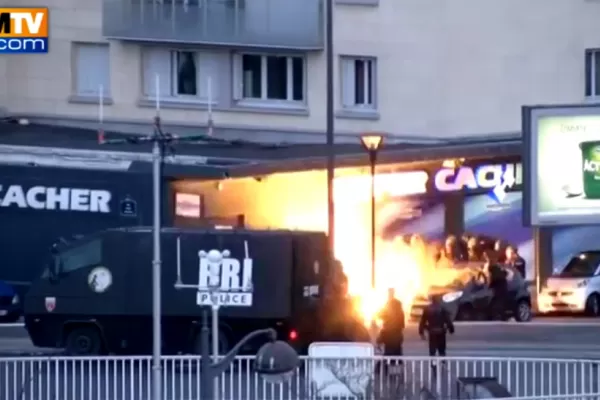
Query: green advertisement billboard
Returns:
{"type": "Point", "coordinates": [562, 165]}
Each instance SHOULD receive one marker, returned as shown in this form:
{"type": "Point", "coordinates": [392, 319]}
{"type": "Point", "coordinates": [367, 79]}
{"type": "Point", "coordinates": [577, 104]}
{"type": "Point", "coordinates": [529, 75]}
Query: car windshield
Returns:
{"type": "Point", "coordinates": [583, 265]}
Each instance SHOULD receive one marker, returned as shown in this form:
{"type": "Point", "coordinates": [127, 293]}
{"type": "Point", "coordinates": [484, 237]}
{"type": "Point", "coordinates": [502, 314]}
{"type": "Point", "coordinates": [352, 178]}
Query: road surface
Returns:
{"type": "Point", "coordinates": [52, 378]}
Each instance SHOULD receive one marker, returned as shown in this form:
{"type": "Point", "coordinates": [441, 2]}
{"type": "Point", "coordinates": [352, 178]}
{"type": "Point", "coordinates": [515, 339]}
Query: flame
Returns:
{"type": "Point", "coordinates": [410, 269]}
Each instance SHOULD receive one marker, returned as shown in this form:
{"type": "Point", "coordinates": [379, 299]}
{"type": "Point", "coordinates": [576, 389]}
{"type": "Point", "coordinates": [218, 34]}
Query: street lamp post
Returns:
{"type": "Point", "coordinates": [159, 141]}
{"type": "Point", "coordinates": [276, 361]}
{"type": "Point", "coordinates": [372, 143]}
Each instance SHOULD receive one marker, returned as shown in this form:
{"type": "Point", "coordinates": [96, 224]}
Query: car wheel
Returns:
{"type": "Point", "coordinates": [465, 313]}
{"type": "Point", "coordinates": [523, 311]}
{"type": "Point", "coordinates": [10, 318]}
{"type": "Point", "coordinates": [592, 305]}
{"type": "Point", "coordinates": [84, 341]}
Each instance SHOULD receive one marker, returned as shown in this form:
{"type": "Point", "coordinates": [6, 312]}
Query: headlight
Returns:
{"type": "Point", "coordinates": [450, 297]}
{"type": "Point", "coordinates": [582, 284]}
{"type": "Point", "coordinates": [15, 299]}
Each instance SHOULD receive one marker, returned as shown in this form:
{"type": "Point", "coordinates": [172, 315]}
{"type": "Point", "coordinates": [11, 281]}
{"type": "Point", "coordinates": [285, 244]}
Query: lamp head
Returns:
{"type": "Point", "coordinates": [371, 141]}
{"type": "Point", "coordinates": [276, 362]}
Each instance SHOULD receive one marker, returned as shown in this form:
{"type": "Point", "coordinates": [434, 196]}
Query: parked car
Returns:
{"type": "Point", "coordinates": [470, 297]}
{"type": "Point", "coordinates": [10, 303]}
{"type": "Point", "coordinates": [576, 289]}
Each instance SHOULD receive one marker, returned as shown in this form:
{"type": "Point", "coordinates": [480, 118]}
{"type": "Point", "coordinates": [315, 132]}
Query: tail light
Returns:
{"type": "Point", "coordinates": [293, 335]}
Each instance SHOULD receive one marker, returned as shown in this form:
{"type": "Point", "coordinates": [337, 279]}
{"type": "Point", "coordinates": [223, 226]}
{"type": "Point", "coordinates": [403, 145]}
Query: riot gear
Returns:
{"type": "Point", "coordinates": [436, 321]}
{"type": "Point", "coordinates": [515, 261]}
{"type": "Point", "coordinates": [392, 331]}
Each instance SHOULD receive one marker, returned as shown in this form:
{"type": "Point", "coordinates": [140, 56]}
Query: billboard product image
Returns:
{"type": "Point", "coordinates": [561, 165]}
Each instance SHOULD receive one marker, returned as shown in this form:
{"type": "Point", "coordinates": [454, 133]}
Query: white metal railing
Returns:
{"type": "Point", "coordinates": [591, 396]}
{"type": "Point", "coordinates": [128, 378]}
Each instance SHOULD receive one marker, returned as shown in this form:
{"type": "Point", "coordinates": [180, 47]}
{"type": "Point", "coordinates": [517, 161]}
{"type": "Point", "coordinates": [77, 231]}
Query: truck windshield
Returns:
{"type": "Point", "coordinates": [583, 265]}
{"type": "Point", "coordinates": [82, 255]}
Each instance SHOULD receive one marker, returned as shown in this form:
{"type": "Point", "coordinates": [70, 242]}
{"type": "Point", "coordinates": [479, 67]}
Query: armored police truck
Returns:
{"type": "Point", "coordinates": [95, 295]}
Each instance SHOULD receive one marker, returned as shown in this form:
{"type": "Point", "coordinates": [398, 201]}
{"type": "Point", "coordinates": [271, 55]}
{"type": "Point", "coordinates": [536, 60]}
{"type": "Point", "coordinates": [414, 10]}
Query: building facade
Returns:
{"type": "Point", "coordinates": [413, 68]}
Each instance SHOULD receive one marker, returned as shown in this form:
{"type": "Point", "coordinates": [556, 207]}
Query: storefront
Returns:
{"type": "Point", "coordinates": [477, 195]}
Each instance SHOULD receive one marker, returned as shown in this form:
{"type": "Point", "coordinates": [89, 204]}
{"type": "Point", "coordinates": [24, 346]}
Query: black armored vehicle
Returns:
{"type": "Point", "coordinates": [469, 297]}
{"type": "Point", "coordinates": [95, 295]}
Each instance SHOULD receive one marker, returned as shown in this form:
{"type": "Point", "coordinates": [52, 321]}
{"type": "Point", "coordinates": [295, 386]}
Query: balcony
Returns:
{"type": "Point", "coordinates": [278, 24]}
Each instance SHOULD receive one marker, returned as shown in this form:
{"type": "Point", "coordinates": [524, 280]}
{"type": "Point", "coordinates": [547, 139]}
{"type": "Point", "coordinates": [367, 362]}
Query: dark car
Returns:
{"type": "Point", "coordinates": [469, 298]}
{"type": "Point", "coordinates": [10, 304]}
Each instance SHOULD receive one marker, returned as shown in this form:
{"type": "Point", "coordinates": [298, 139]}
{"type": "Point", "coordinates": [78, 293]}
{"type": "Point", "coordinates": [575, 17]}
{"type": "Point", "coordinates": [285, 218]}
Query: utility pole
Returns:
{"type": "Point", "coordinates": [160, 140]}
{"type": "Point", "coordinates": [330, 128]}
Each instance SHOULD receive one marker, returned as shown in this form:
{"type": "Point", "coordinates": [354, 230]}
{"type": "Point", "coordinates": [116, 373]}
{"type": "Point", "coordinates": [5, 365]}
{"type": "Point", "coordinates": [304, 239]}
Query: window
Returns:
{"type": "Point", "coordinates": [180, 74]}
{"type": "Point", "coordinates": [272, 78]}
{"type": "Point", "coordinates": [187, 205]}
{"type": "Point", "coordinates": [582, 266]}
{"type": "Point", "coordinates": [85, 255]}
{"type": "Point", "coordinates": [592, 73]}
{"type": "Point", "coordinates": [358, 82]}
{"type": "Point", "coordinates": [91, 69]}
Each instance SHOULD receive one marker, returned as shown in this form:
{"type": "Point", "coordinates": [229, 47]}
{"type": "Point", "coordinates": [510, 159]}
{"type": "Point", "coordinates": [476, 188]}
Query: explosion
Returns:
{"type": "Point", "coordinates": [410, 268]}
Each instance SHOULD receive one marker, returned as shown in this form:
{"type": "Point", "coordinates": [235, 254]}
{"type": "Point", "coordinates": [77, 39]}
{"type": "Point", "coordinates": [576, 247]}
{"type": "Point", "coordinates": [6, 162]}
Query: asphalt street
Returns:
{"type": "Point", "coordinates": [48, 377]}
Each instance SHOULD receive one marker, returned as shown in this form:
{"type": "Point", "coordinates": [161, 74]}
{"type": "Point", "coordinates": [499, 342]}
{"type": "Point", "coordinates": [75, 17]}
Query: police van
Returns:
{"type": "Point", "coordinates": [95, 294]}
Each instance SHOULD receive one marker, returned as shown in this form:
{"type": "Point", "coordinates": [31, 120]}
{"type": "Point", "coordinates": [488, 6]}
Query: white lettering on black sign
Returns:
{"type": "Point", "coordinates": [55, 198]}
{"type": "Point", "coordinates": [223, 280]}
{"type": "Point", "coordinates": [483, 177]}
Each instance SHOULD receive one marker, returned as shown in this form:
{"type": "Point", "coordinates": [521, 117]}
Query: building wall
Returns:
{"type": "Point", "coordinates": [443, 68]}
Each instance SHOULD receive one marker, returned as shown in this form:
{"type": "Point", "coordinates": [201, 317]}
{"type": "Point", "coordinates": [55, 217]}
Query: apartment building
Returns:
{"type": "Point", "coordinates": [413, 68]}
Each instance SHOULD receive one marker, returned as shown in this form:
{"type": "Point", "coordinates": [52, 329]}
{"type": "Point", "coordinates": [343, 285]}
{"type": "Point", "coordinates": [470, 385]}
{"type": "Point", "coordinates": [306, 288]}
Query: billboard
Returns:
{"type": "Point", "coordinates": [561, 165]}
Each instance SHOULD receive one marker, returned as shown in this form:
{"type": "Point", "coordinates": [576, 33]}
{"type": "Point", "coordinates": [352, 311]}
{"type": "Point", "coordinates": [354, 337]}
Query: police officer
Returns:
{"type": "Point", "coordinates": [436, 321]}
{"type": "Point", "coordinates": [500, 250]}
{"type": "Point", "coordinates": [499, 286]}
{"type": "Point", "coordinates": [474, 252]}
{"type": "Point", "coordinates": [392, 330]}
{"type": "Point", "coordinates": [514, 260]}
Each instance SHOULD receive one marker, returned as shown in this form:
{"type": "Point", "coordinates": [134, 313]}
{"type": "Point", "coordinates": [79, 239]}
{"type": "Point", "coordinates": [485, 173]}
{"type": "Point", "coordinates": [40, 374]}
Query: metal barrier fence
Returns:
{"type": "Point", "coordinates": [128, 378]}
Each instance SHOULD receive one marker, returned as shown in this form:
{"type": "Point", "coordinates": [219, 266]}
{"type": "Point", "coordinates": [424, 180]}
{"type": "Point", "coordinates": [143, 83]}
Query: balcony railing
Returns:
{"type": "Point", "coordinates": [285, 24]}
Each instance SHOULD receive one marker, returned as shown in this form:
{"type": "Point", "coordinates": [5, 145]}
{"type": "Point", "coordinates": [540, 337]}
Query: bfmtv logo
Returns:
{"type": "Point", "coordinates": [23, 30]}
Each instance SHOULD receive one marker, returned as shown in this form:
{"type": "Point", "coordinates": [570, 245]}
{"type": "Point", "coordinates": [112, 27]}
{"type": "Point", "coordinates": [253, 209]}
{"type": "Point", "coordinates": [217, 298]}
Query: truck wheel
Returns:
{"type": "Point", "coordinates": [592, 305]}
{"type": "Point", "coordinates": [83, 341]}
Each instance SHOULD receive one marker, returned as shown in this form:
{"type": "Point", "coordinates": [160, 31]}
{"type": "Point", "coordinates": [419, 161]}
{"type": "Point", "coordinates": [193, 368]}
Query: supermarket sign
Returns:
{"type": "Point", "coordinates": [487, 176]}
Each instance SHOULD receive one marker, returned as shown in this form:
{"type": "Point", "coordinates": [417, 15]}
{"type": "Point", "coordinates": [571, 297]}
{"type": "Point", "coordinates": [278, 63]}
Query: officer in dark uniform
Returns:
{"type": "Point", "coordinates": [499, 286]}
{"type": "Point", "coordinates": [391, 335]}
{"type": "Point", "coordinates": [392, 330]}
{"type": "Point", "coordinates": [436, 321]}
{"type": "Point", "coordinates": [474, 252]}
{"type": "Point", "coordinates": [500, 250]}
{"type": "Point", "coordinates": [514, 260]}
{"type": "Point", "coordinates": [451, 250]}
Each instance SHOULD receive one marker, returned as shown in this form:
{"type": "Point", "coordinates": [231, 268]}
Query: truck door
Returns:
{"type": "Point", "coordinates": [87, 281]}
{"type": "Point", "coordinates": [311, 265]}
